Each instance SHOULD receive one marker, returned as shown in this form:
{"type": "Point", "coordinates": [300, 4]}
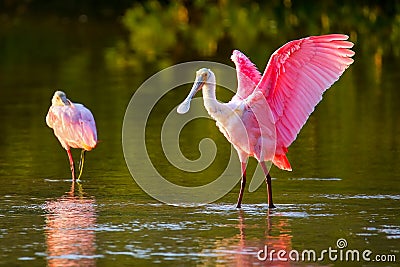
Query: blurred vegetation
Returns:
{"type": "Point", "coordinates": [158, 33]}
{"type": "Point", "coordinates": [162, 33]}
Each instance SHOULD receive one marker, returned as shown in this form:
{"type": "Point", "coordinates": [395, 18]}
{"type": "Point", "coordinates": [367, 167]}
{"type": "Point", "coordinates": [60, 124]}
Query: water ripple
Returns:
{"type": "Point", "coordinates": [391, 231]}
{"type": "Point", "coordinates": [315, 179]}
{"type": "Point", "coordinates": [358, 196]}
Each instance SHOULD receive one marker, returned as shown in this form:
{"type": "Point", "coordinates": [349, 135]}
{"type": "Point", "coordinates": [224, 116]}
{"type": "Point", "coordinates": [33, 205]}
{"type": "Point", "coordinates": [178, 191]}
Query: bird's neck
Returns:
{"type": "Point", "coordinates": [212, 105]}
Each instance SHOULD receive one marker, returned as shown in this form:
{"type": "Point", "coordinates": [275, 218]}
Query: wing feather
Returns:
{"type": "Point", "coordinates": [73, 125]}
{"type": "Point", "coordinates": [248, 75]}
{"type": "Point", "coordinates": [297, 75]}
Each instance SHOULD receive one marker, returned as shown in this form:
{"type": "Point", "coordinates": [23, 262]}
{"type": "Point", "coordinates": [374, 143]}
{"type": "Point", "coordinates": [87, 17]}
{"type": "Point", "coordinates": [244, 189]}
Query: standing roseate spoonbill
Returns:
{"type": "Point", "coordinates": [74, 126]}
{"type": "Point", "coordinates": [267, 112]}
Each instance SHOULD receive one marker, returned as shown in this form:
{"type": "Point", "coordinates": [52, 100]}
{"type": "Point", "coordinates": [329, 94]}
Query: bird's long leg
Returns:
{"type": "Point", "coordinates": [269, 185]}
{"type": "Point", "coordinates": [81, 162]}
{"type": "Point", "coordinates": [71, 164]}
{"type": "Point", "coordinates": [242, 185]}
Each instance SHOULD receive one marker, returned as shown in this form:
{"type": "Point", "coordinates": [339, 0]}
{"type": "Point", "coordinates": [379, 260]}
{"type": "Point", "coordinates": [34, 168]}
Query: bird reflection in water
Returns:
{"type": "Point", "coordinates": [70, 230]}
{"type": "Point", "coordinates": [243, 248]}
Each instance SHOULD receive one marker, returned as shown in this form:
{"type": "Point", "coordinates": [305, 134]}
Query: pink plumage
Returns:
{"type": "Point", "coordinates": [294, 80]}
{"type": "Point", "coordinates": [73, 124]}
{"type": "Point", "coordinates": [247, 74]}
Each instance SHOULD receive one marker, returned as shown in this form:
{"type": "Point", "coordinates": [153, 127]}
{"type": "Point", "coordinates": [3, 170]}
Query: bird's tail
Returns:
{"type": "Point", "coordinates": [282, 162]}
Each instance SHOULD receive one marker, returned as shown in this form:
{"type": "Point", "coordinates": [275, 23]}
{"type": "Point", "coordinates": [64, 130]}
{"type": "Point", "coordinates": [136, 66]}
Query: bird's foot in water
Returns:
{"type": "Point", "coordinates": [73, 176]}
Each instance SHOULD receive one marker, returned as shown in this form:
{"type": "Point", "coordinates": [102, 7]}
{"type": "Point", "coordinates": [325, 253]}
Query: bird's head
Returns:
{"type": "Point", "coordinates": [60, 99]}
{"type": "Point", "coordinates": [203, 76]}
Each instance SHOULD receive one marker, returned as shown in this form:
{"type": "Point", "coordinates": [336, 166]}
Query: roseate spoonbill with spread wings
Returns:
{"type": "Point", "coordinates": [267, 112]}
{"type": "Point", "coordinates": [74, 126]}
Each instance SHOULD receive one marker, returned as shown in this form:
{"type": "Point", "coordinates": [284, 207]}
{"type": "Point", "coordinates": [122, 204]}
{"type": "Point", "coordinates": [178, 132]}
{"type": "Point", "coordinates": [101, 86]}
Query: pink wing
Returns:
{"type": "Point", "coordinates": [73, 125]}
{"type": "Point", "coordinates": [295, 78]}
{"type": "Point", "coordinates": [247, 75]}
